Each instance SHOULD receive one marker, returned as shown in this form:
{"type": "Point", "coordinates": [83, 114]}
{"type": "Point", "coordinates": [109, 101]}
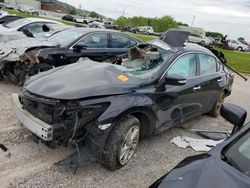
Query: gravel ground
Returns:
{"type": "Point", "coordinates": [31, 165]}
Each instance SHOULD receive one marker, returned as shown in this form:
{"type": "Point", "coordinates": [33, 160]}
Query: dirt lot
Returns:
{"type": "Point", "coordinates": [31, 165]}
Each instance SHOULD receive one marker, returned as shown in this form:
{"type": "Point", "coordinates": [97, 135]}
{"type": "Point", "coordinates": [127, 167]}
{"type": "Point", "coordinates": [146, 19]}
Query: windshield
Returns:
{"type": "Point", "coordinates": [238, 154]}
{"type": "Point", "coordinates": [143, 62]}
{"type": "Point", "coordinates": [17, 23]}
{"type": "Point", "coordinates": [66, 37]}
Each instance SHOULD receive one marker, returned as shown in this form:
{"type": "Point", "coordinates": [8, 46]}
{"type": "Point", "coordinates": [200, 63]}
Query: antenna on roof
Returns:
{"type": "Point", "coordinates": [175, 37]}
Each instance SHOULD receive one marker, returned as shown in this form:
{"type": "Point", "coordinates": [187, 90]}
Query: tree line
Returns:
{"type": "Point", "coordinates": [161, 24]}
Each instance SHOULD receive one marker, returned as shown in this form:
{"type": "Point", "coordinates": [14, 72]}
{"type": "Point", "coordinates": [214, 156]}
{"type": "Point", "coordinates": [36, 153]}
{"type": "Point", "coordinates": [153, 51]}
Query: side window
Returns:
{"type": "Point", "coordinates": [34, 28]}
{"type": "Point", "coordinates": [96, 40]}
{"type": "Point", "coordinates": [185, 66]}
{"type": "Point", "coordinates": [208, 64]}
{"type": "Point", "coordinates": [121, 41]}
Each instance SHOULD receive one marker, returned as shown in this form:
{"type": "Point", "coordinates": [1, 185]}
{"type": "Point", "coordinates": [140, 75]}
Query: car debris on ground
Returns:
{"type": "Point", "coordinates": [201, 145]}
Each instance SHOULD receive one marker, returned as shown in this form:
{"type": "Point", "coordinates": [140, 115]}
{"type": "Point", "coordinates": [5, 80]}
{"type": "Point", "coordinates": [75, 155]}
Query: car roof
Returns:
{"type": "Point", "coordinates": [85, 30]}
{"type": "Point", "coordinates": [42, 20]}
{"type": "Point", "coordinates": [58, 27]}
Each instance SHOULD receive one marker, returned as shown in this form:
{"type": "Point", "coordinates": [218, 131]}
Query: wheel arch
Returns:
{"type": "Point", "coordinates": [145, 116]}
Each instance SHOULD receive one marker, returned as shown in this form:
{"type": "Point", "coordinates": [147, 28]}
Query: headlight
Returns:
{"type": "Point", "coordinates": [85, 113]}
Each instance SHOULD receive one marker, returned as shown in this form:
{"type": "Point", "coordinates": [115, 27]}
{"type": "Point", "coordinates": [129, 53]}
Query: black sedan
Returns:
{"type": "Point", "coordinates": [106, 107]}
{"type": "Point", "coordinates": [17, 59]}
{"type": "Point", "coordinates": [225, 166]}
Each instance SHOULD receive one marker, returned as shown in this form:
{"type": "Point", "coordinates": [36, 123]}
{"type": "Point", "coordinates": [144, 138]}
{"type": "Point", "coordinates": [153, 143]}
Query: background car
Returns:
{"type": "Point", "coordinates": [62, 48]}
{"type": "Point", "coordinates": [199, 39]}
{"type": "Point", "coordinates": [226, 165]}
{"type": "Point", "coordinates": [68, 18]}
{"type": "Point", "coordinates": [237, 45]}
{"type": "Point", "coordinates": [145, 92]}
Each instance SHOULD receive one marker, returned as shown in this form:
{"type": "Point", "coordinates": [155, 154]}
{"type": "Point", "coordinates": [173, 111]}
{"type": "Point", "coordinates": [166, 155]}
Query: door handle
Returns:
{"type": "Point", "coordinates": [220, 80]}
{"type": "Point", "coordinates": [197, 88]}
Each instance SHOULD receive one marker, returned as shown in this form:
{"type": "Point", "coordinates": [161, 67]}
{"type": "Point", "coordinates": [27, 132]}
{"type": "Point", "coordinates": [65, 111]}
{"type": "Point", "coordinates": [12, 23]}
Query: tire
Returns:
{"type": "Point", "coordinates": [240, 49]}
{"type": "Point", "coordinates": [119, 148]}
{"type": "Point", "coordinates": [215, 112]}
{"type": "Point", "coordinates": [202, 43]}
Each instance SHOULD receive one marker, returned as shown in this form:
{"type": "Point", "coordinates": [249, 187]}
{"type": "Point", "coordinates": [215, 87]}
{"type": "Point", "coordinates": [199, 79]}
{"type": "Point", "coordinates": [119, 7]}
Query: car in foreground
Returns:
{"type": "Point", "coordinates": [226, 166]}
{"type": "Point", "coordinates": [104, 108]}
{"type": "Point", "coordinates": [16, 29]}
{"type": "Point", "coordinates": [237, 45]}
{"type": "Point", "coordinates": [30, 56]}
{"type": "Point", "coordinates": [199, 39]}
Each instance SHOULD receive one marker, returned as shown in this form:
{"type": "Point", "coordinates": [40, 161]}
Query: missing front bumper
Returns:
{"type": "Point", "coordinates": [35, 125]}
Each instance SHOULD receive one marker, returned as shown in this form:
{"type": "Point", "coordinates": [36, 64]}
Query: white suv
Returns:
{"type": "Point", "coordinates": [199, 39]}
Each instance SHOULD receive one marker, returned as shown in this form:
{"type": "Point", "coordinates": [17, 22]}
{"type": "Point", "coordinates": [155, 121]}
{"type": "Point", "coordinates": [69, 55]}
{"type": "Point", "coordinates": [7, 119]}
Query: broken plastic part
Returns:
{"type": "Point", "coordinates": [3, 147]}
{"type": "Point", "coordinates": [77, 159]}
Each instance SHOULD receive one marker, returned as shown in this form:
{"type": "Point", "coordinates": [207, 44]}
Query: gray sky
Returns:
{"type": "Point", "coordinates": [231, 17]}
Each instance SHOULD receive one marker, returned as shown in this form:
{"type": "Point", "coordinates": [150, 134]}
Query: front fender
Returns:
{"type": "Point", "coordinates": [125, 103]}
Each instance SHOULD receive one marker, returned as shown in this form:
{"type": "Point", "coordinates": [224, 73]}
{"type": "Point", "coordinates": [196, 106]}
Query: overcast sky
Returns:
{"type": "Point", "coordinates": [231, 17]}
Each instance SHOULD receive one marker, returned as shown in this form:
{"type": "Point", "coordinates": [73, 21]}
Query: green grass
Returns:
{"type": "Point", "coordinates": [25, 15]}
{"type": "Point", "coordinates": [143, 38]}
{"type": "Point", "coordinates": [240, 61]}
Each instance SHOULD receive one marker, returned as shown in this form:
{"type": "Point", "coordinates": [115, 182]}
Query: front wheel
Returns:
{"type": "Point", "coordinates": [215, 112]}
{"type": "Point", "coordinates": [122, 143]}
{"type": "Point", "coordinates": [240, 49]}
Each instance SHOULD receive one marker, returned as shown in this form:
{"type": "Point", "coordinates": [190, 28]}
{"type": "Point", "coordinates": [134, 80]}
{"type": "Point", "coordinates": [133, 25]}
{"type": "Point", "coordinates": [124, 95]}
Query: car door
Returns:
{"type": "Point", "coordinates": [120, 44]}
{"type": "Point", "coordinates": [96, 48]}
{"type": "Point", "coordinates": [210, 80]}
{"type": "Point", "coordinates": [176, 104]}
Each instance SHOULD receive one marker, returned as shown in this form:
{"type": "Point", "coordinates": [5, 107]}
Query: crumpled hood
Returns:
{"type": "Point", "coordinates": [206, 173]}
{"type": "Point", "coordinates": [9, 36]}
{"type": "Point", "coordinates": [80, 80]}
{"type": "Point", "coordinates": [12, 50]}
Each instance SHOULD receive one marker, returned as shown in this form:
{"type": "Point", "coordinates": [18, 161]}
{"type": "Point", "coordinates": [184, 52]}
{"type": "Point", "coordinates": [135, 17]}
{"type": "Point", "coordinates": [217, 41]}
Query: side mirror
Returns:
{"type": "Point", "coordinates": [235, 115]}
{"type": "Point", "coordinates": [78, 47]}
{"type": "Point", "coordinates": [175, 79]}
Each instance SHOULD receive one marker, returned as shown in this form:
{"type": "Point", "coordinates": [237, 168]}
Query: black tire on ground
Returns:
{"type": "Point", "coordinates": [215, 112]}
{"type": "Point", "coordinates": [240, 49]}
{"type": "Point", "coordinates": [117, 142]}
{"type": "Point", "coordinates": [1, 77]}
{"type": "Point", "coordinates": [202, 43]}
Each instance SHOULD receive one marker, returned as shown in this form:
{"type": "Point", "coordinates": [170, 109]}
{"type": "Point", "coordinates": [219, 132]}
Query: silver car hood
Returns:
{"type": "Point", "coordinates": [13, 35]}
{"type": "Point", "coordinates": [11, 51]}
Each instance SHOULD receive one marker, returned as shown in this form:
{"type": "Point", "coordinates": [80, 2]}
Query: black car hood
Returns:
{"type": "Point", "coordinates": [81, 80]}
{"type": "Point", "coordinates": [206, 173]}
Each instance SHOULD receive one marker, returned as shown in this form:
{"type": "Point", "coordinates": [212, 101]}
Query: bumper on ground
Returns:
{"type": "Point", "coordinates": [35, 125]}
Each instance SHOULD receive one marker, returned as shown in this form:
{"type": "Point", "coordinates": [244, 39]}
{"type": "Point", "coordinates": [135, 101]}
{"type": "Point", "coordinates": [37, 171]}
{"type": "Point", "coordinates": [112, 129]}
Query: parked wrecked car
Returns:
{"type": "Point", "coordinates": [107, 107]}
{"type": "Point", "coordinates": [9, 18]}
{"type": "Point", "coordinates": [33, 55]}
{"type": "Point", "coordinates": [22, 27]}
{"type": "Point", "coordinates": [225, 166]}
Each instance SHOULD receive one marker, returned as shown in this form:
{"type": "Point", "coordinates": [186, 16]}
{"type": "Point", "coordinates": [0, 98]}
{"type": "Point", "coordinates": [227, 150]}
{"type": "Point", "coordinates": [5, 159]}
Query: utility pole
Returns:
{"type": "Point", "coordinates": [193, 21]}
{"type": "Point", "coordinates": [123, 12]}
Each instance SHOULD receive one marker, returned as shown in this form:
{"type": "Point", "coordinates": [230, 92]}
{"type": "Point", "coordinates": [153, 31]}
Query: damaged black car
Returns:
{"type": "Point", "coordinates": [27, 57]}
{"type": "Point", "coordinates": [225, 166]}
{"type": "Point", "coordinates": [104, 108]}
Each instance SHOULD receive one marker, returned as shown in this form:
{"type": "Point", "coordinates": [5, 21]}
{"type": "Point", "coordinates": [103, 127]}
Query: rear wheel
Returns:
{"type": "Point", "coordinates": [215, 112]}
{"type": "Point", "coordinates": [239, 49]}
{"type": "Point", "coordinates": [202, 43]}
{"type": "Point", "coordinates": [122, 143]}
